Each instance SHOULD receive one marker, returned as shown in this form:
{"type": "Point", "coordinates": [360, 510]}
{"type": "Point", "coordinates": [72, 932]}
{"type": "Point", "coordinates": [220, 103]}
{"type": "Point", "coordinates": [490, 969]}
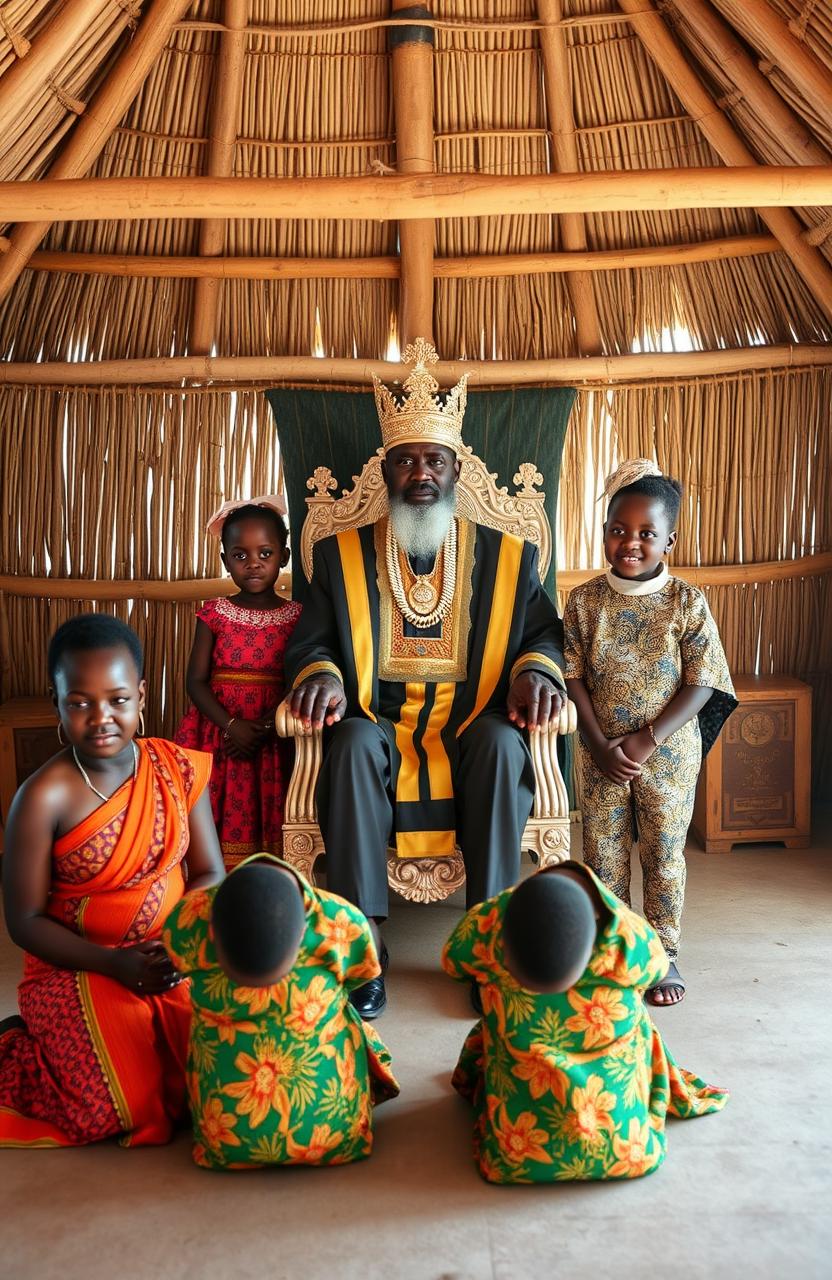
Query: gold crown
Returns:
{"type": "Point", "coordinates": [418, 413]}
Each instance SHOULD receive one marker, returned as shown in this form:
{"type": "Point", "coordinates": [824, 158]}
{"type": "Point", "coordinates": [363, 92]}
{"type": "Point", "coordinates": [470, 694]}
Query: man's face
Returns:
{"type": "Point", "coordinates": [420, 474]}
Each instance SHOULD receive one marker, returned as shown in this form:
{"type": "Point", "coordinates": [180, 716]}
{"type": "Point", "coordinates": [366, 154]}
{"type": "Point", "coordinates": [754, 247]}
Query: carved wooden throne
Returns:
{"type": "Point", "coordinates": [479, 499]}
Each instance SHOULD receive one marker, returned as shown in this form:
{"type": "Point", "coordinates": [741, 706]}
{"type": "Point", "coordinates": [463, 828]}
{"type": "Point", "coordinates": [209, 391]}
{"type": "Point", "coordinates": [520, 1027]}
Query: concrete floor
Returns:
{"type": "Point", "coordinates": [745, 1193]}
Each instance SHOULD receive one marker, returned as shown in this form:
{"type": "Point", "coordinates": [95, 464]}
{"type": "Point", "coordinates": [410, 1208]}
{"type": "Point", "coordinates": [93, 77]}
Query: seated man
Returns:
{"type": "Point", "coordinates": [426, 644]}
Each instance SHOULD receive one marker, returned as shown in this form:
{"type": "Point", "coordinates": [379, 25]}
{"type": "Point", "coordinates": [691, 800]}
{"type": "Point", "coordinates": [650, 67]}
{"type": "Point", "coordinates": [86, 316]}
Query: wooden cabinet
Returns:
{"type": "Point", "coordinates": [28, 738]}
{"type": "Point", "coordinates": [755, 784]}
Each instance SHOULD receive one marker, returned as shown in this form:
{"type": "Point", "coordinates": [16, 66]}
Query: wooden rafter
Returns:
{"type": "Point", "coordinates": [784, 125]}
{"type": "Point", "coordinates": [27, 77]}
{"type": "Point", "coordinates": [402, 196]}
{"type": "Point", "coordinates": [729, 146]}
{"type": "Point", "coordinates": [411, 82]}
{"type": "Point", "coordinates": [558, 85]}
{"type": "Point", "coordinates": [791, 55]}
{"type": "Point", "coordinates": [389, 268]}
{"type": "Point", "coordinates": [488, 373]}
{"type": "Point", "coordinates": [224, 115]}
{"type": "Point", "coordinates": [92, 131]}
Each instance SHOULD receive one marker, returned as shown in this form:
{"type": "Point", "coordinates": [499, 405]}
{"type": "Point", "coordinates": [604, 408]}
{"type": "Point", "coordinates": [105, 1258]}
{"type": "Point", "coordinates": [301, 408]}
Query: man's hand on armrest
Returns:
{"type": "Point", "coordinates": [534, 702]}
{"type": "Point", "coordinates": [319, 700]}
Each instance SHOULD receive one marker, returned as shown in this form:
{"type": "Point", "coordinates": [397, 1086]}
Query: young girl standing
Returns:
{"type": "Point", "coordinates": [647, 673]}
{"type": "Point", "coordinates": [235, 680]}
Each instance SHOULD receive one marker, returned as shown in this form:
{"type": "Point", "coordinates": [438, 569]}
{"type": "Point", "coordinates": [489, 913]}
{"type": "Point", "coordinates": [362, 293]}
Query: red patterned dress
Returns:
{"type": "Point", "coordinates": [247, 679]}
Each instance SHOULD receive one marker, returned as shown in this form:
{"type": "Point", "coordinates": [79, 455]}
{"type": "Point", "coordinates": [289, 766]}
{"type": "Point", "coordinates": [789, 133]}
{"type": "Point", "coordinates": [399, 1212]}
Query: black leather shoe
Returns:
{"type": "Point", "coordinates": [369, 1000]}
{"type": "Point", "coordinates": [476, 998]}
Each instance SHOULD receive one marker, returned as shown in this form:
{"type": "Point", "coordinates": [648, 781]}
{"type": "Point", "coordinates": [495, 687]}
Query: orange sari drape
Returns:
{"type": "Point", "coordinates": [96, 1059]}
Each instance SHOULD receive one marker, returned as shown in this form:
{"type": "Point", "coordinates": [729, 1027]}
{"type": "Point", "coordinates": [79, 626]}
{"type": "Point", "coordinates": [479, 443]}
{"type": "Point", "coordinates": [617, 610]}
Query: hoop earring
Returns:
{"type": "Point", "coordinates": [141, 724]}
{"type": "Point", "coordinates": [61, 739]}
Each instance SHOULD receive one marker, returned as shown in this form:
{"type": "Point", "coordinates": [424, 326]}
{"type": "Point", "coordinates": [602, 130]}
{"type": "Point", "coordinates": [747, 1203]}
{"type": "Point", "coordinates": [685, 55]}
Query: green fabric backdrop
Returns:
{"type": "Point", "coordinates": [340, 430]}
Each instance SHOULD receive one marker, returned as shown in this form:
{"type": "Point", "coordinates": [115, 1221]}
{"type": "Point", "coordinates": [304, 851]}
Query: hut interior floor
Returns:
{"type": "Point", "coordinates": [744, 1193]}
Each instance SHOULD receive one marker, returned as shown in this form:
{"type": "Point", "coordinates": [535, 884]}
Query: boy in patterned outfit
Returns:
{"type": "Point", "coordinates": [646, 670]}
{"type": "Point", "coordinates": [569, 1078]}
{"type": "Point", "coordinates": [281, 1069]}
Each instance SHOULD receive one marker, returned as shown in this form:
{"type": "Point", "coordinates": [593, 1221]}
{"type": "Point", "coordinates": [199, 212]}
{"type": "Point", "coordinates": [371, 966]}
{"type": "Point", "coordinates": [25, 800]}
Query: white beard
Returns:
{"type": "Point", "coordinates": [420, 531]}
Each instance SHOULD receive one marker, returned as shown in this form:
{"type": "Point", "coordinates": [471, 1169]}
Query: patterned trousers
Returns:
{"type": "Point", "coordinates": [654, 810]}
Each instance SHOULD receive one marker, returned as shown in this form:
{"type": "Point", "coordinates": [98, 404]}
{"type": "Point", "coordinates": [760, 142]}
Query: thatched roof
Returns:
{"type": "Point", "coordinates": [699, 112]}
{"type": "Point", "coordinates": [319, 103]}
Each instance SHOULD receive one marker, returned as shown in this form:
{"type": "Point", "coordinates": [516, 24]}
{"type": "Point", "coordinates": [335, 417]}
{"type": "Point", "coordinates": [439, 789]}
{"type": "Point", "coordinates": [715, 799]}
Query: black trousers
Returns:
{"type": "Point", "coordinates": [494, 790]}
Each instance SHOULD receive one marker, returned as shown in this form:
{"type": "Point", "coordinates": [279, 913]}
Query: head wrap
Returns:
{"type": "Point", "coordinates": [274, 501]}
{"type": "Point", "coordinates": [628, 473]}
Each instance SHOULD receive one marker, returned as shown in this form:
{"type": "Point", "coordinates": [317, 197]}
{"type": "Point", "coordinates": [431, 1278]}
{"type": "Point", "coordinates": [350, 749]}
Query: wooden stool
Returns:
{"type": "Point", "coordinates": [28, 738]}
{"type": "Point", "coordinates": [755, 784]}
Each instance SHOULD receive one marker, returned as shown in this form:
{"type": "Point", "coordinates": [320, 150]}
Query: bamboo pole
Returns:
{"type": "Point", "coordinates": [722, 575]}
{"type": "Point", "coordinates": [558, 86]}
{"type": "Point", "coordinates": [411, 82]}
{"type": "Point", "coordinates": [769, 32]}
{"type": "Point", "coordinates": [381, 268]}
{"type": "Point", "coordinates": [27, 77]}
{"type": "Point", "coordinates": [229, 67]}
{"type": "Point", "coordinates": [92, 131]}
{"type": "Point", "coordinates": [404, 196]}
{"type": "Point", "coordinates": [649, 365]}
{"type": "Point", "coordinates": [717, 128]}
{"type": "Point", "coordinates": [315, 31]}
{"type": "Point", "coordinates": [784, 125]}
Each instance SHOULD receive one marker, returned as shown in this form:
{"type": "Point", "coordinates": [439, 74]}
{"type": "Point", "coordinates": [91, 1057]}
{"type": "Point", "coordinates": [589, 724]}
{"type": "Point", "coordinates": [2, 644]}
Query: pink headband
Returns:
{"type": "Point", "coordinates": [274, 501]}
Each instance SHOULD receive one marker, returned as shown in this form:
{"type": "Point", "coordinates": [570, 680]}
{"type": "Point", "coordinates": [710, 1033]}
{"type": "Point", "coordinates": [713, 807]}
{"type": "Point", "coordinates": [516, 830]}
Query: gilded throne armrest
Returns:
{"type": "Point", "coordinates": [546, 836]}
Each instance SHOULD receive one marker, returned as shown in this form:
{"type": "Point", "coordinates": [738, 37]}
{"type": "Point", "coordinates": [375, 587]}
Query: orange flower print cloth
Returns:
{"type": "Point", "coordinates": [576, 1085]}
{"type": "Point", "coordinates": [285, 1074]}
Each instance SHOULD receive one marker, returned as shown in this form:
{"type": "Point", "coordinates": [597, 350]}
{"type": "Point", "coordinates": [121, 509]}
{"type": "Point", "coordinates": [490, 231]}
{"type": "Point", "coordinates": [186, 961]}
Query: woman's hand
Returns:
{"type": "Point", "coordinates": [145, 968]}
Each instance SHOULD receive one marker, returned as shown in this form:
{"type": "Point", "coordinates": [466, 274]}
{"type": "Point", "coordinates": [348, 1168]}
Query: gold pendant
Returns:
{"type": "Point", "coordinates": [422, 596]}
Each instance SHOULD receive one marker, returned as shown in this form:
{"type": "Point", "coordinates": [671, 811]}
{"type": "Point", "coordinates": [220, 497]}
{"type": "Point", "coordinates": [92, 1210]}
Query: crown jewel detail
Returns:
{"type": "Point", "coordinates": [417, 413]}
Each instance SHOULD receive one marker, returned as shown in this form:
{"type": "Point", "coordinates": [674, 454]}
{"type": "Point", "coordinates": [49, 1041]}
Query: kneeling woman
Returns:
{"type": "Point", "coordinates": [96, 844]}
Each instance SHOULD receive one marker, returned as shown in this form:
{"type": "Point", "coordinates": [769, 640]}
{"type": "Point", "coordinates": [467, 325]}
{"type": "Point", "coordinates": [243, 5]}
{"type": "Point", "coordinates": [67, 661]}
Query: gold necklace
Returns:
{"type": "Point", "coordinates": [86, 776]}
{"type": "Point", "coordinates": [421, 604]}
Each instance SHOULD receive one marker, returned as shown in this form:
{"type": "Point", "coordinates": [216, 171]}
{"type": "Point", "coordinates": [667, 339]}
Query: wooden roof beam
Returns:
{"type": "Point", "coordinates": [405, 196]}
{"type": "Point", "coordinates": [411, 82]}
{"type": "Point", "coordinates": [389, 268]}
{"type": "Point", "coordinates": [557, 82]}
{"type": "Point", "coordinates": [807, 73]}
{"type": "Point", "coordinates": [93, 129]}
{"type": "Point", "coordinates": [226, 99]}
{"type": "Point", "coordinates": [784, 125]}
{"type": "Point", "coordinates": [729, 146]}
{"type": "Point", "coordinates": [645, 365]}
{"type": "Point", "coordinates": [28, 76]}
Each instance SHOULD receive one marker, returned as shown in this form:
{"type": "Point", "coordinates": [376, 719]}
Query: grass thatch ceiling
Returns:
{"type": "Point", "coordinates": [319, 103]}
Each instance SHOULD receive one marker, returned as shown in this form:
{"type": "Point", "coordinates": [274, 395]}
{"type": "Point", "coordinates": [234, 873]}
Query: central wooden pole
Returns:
{"type": "Point", "coordinates": [225, 111]}
{"type": "Point", "coordinates": [558, 84]}
{"type": "Point", "coordinates": [412, 85]}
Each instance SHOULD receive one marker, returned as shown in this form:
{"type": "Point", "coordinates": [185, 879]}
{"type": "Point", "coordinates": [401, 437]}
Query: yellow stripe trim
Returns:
{"type": "Point", "coordinates": [407, 783]}
{"type": "Point", "coordinates": [313, 668]}
{"type": "Point", "coordinates": [103, 1054]}
{"type": "Point", "coordinates": [358, 607]}
{"type": "Point", "coordinates": [499, 624]}
{"type": "Point", "coordinates": [439, 766]}
{"type": "Point", "coordinates": [535, 660]}
{"type": "Point", "coordinates": [425, 844]}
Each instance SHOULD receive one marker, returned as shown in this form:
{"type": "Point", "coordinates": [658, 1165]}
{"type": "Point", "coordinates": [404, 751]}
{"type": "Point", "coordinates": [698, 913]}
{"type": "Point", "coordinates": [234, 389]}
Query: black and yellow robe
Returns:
{"type": "Point", "coordinates": [425, 687]}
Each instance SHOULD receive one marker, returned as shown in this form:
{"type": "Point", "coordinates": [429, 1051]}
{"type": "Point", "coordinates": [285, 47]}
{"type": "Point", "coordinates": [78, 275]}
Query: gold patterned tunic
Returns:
{"type": "Point", "coordinates": [635, 645]}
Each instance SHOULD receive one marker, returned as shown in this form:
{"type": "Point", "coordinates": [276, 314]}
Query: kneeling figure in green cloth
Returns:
{"type": "Point", "coordinates": [281, 1069]}
{"type": "Point", "coordinates": [569, 1078]}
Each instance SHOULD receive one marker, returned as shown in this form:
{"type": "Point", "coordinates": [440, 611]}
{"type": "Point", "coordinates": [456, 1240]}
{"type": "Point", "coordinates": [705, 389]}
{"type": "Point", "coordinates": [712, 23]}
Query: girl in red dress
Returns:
{"type": "Point", "coordinates": [235, 680]}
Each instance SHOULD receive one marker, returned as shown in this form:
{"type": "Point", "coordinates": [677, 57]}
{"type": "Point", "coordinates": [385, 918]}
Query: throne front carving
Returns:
{"type": "Point", "coordinates": [480, 499]}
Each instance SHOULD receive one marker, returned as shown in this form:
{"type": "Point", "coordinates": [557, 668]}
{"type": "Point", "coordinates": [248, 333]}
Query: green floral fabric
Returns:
{"type": "Point", "coordinates": [284, 1074]}
{"type": "Point", "coordinates": [575, 1085]}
